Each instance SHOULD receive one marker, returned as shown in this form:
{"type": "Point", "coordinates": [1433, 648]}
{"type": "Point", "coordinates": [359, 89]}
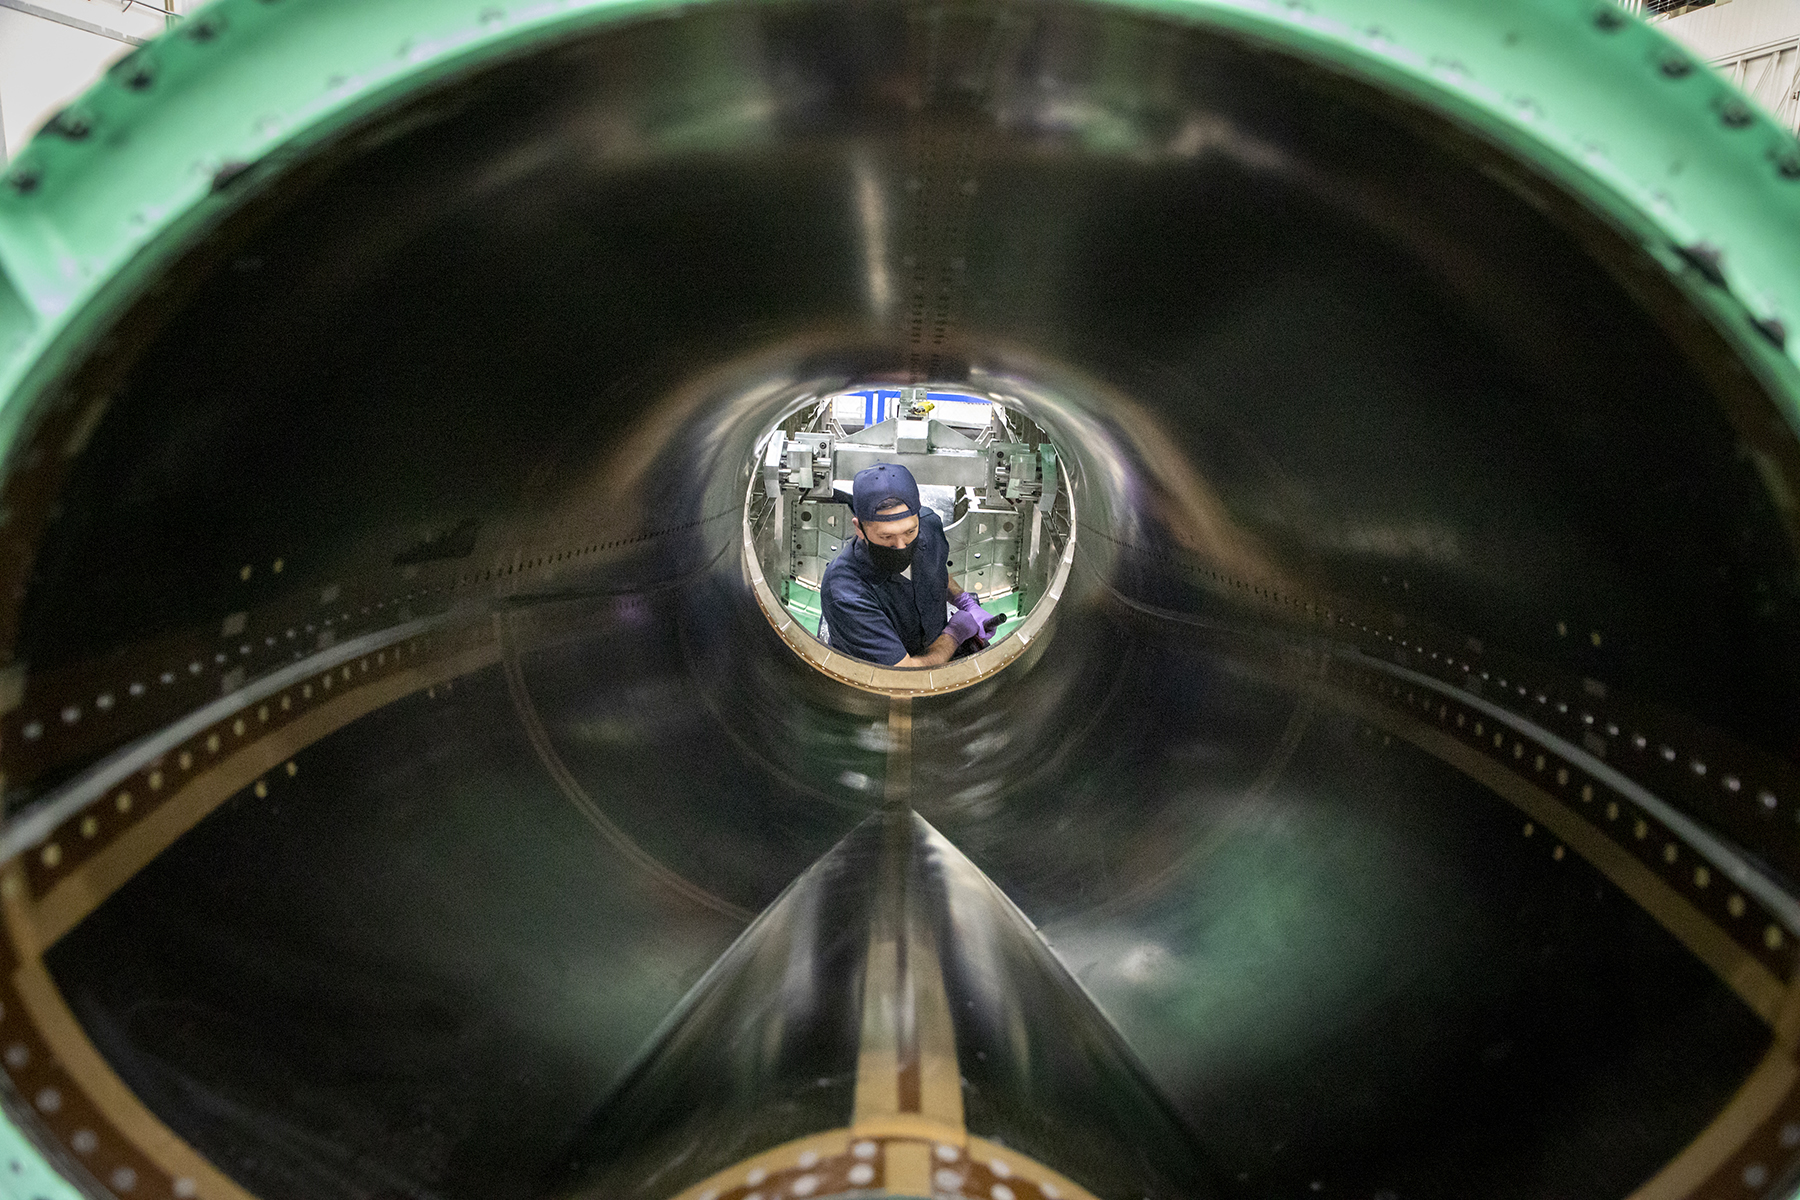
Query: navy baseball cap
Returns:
{"type": "Point", "coordinates": [880, 486]}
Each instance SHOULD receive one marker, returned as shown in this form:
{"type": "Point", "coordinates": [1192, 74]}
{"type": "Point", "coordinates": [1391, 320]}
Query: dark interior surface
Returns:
{"type": "Point", "coordinates": [502, 355]}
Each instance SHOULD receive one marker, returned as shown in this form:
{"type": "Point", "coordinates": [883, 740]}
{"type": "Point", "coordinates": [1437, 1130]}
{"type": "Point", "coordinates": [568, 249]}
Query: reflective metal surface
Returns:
{"type": "Point", "coordinates": [1403, 796]}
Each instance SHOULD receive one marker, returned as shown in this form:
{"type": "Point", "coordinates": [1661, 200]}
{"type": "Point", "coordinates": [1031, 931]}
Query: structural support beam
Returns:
{"type": "Point", "coordinates": [73, 22]}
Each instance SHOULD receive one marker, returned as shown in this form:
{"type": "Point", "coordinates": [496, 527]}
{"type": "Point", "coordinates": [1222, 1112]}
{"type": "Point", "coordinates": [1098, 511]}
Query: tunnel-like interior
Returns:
{"type": "Point", "coordinates": [1398, 803]}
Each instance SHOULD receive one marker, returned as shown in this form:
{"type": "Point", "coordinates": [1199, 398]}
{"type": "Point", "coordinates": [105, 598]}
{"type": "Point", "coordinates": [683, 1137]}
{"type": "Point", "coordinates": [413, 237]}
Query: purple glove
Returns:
{"type": "Point", "coordinates": [968, 603]}
{"type": "Point", "coordinates": [963, 626]}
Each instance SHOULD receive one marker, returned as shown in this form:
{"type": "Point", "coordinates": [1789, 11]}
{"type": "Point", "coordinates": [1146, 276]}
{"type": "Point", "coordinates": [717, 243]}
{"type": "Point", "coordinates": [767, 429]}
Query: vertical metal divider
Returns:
{"type": "Point", "coordinates": [908, 1084]}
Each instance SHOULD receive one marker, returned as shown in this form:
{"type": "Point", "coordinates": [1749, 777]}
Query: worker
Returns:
{"type": "Point", "coordinates": [887, 596]}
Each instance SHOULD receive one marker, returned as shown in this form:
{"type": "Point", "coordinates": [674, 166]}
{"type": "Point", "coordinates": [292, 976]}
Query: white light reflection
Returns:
{"type": "Point", "coordinates": [1143, 962]}
{"type": "Point", "coordinates": [871, 212]}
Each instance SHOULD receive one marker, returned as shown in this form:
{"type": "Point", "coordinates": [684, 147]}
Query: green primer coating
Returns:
{"type": "Point", "coordinates": [185, 128]}
{"type": "Point", "coordinates": [803, 602]}
{"type": "Point", "coordinates": [24, 1174]}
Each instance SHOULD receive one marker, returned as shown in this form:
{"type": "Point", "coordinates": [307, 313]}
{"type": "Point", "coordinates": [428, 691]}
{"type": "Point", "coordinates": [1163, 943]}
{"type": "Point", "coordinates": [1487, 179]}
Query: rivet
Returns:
{"type": "Point", "coordinates": [186, 761]}
{"type": "Point", "coordinates": [228, 173]}
{"type": "Point", "coordinates": [1707, 259]}
{"type": "Point", "coordinates": [1702, 877]}
{"type": "Point", "coordinates": [52, 854]}
{"type": "Point", "coordinates": [1557, 854]}
{"type": "Point", "coordinates": [245, 571]}
{"type": "Point", "coordinates": [1530, 829]}
{"type": "Point", "coordinates": [262, 789]}
{"type": "Point", "coordinates": [1670, 853]}
{"type": "Point", "coordinates": [1772, 937]}
{"type": "Point", "coordinates": [1735, 905]}
{"type": "Point", "coordinates": [292, 767]}
{"type": "Point", "coordinates": [69, 124]}
{"type": "Point", "coordinates": [89, 827]}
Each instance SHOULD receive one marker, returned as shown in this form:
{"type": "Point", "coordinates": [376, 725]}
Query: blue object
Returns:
{"type": "Point", "coordinates": [882, 618]}
{"type": "Point", "coordinates": [876, 487]}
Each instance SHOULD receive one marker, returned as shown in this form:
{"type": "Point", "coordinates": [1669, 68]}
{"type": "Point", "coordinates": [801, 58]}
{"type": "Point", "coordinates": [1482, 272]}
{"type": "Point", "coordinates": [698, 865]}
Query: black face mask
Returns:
{"type": "Point", "coordinates": [891, 559]}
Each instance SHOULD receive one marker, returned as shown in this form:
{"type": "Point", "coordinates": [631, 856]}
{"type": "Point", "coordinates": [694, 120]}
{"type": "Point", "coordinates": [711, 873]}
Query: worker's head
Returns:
{"type": "Point", "coordinates": [885, 499]}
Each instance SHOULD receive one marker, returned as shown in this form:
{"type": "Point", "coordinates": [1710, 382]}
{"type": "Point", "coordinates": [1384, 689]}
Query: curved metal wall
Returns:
{"type": "Point", "coordinates": [406, 795]}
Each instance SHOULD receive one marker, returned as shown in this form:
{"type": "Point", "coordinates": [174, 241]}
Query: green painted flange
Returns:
{"type": "Point", "coordinates": [181, 131]}
{"type": "Point", "coordinates": [184, 129]}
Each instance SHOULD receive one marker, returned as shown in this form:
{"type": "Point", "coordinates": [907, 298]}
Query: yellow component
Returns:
{"type": "Point", "coordinates": [908, 1169]}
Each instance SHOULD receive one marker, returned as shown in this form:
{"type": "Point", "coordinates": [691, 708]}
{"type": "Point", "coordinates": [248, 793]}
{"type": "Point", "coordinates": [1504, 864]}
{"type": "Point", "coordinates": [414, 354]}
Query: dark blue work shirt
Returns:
{"type": "Point", "coordinates": [882, 618]}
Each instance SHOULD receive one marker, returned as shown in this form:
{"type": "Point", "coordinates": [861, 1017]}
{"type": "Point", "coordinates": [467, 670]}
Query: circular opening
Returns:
{"type": "Point", "coordinates": [984, 471]}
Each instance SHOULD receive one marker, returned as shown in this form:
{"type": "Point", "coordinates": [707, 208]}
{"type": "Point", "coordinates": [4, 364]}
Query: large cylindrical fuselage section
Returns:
{"type": "Point", "coordinates": [413, 786]}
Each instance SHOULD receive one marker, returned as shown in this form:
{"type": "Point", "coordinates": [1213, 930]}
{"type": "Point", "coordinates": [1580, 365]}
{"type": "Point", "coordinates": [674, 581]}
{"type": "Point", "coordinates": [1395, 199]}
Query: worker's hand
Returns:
{"type": "Point", "coordinates": [969, 602]}
{"type": "Point", "coordinates": [964, 625]}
